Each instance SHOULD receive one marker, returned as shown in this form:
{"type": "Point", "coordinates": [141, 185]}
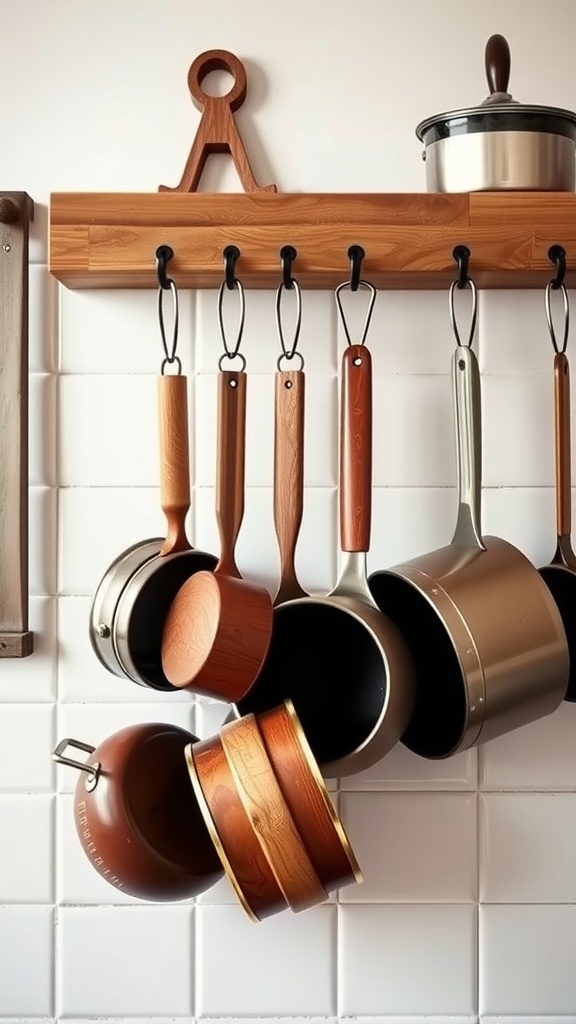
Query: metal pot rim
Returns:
{"type": "Point", "coordinates": [513, 110]}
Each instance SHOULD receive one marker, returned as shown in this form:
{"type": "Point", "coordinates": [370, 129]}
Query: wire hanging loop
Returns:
{"type": "Point", "coordinates": [548, 304]}
{"type": "Point", "coordinates": [469, 284]}
{"type": "Point", "coordinates": [230, 352]}
{"type": "Point", "coordinates": [557, 254]}
{"type": "Point", "coordinates": [166, 283]}
{"type": "Point", "coordinates": [355, 254]}
{"type": "Point", "coordinates": [289, 352]}
{"type": "Point", "coordinates": [371, 289]}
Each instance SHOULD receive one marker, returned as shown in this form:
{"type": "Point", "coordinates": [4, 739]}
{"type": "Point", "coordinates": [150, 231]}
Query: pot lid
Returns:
{"type": "Point", "coordinates": [500, 105]}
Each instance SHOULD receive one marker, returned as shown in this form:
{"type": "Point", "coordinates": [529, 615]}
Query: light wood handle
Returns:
{"type": "Point", "coordinates": [356, 449]}
{"type": "Point", "coordinates": [230, 465]}
{"type": "Point", "coordinates": [288, 476]}
{"type": "Point", "coordinates": [562, 444]}
{"type": "Point", "coordinates": [174, 460]}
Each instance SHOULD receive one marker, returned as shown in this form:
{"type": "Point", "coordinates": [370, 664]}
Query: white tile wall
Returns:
{"type": "Point", "coordinates": [467, 912]}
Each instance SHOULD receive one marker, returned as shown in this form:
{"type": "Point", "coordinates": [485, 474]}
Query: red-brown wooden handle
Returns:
{"type": "Point", "coordinates": [174, 460]}
{"type": "Point", "coordinates": [230, 465]}
{"type": "Point", "coordinates": [356, 449]}
{"type": "Point", "coordinates": [562, 444]}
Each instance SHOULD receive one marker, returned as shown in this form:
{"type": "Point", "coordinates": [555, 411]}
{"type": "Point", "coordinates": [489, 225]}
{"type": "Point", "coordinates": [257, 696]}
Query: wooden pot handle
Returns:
{"type": "Point", "coordinates": [174, 460]}
{"type": "Point", "coordinates": [288, 477]}
{"type": "Point", "coordinates": [356, 449]}
{"type": "Point", "coordinates": [230, 465]}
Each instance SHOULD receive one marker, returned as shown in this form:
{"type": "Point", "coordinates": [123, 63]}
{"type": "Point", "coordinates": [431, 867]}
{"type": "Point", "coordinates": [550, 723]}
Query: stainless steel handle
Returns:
{"type": "Point", "coordinates": [467, 408]}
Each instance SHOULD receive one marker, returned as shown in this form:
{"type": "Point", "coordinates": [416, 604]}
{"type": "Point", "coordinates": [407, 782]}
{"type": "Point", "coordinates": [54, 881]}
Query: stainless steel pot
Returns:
{"type": "Point", "coordinates": [500, 144]}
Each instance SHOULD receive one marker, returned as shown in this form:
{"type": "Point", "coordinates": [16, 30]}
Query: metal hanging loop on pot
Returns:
{"type": "Point", "coordinates": [557, 254]}
{"type": "Point", "coordinates": [469, 285]}
{"type": "Point", "coordinates": [231, 283]}
{"type": "Point", "coordinates": [165, 283]}
{"type": "Point", "coordinates": [288, 282]}
{"type": "Point", "coordinates": [92, 770]}
{"type": "Point", "coordinates": [371, 289]}
{"type": "Point", "coordinates": [562, 347]}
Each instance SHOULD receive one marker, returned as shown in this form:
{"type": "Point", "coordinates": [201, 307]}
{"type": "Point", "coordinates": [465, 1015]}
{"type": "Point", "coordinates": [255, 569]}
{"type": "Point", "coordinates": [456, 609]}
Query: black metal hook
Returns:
{"type": "Point", "coordinates": [163, 254]}
{"type": "Point", "coordinates": [557, 254]}
{"type": "Point", "coordinates": [287, 255]}
{"type": "Point", "coordinates": [230, 254]}
{"type": "Point", "coordinates": [461, 254]}
{"type": "Point", "coordinates": [355, 254]}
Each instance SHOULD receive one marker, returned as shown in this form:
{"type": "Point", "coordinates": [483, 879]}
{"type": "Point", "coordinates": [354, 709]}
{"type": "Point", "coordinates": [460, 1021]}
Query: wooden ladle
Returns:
{"type": "Point", "coordinates": [218, 627]}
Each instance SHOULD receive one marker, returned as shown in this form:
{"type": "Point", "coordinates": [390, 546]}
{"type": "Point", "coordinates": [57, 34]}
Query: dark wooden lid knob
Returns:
{"type": "Point", "coordinates": [497, 64]}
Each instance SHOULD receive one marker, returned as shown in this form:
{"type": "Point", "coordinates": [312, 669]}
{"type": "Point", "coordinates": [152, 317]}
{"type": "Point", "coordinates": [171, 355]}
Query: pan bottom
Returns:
{"type": "Point", "coordinates": [149, 612]}
{"type": "Point", "coordinates": [561, 582]}
{"type": "Point", "coordinates": [440, 708]}
{"type": "Point", "coordinates": [331, 667]}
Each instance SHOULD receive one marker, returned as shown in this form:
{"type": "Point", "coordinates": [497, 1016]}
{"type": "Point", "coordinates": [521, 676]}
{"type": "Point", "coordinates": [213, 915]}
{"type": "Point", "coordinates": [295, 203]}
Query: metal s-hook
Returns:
{"type": "Point", "coordinates": [557, 254]}
{"type": "Point", "coordinates": [355, 254]}
{"type": "Point", "coordinates": [287, 256]}
{"type": "Point", "coordinates": [230, 254]}
{"type": "Point", "coordinates": [163, 254]}
{"type": "Point", "coordinates": [165, 283]}
{"type": "Point", "coordinates": [230, 282]}
{"type": "Point", "coordinates": [461, 253]}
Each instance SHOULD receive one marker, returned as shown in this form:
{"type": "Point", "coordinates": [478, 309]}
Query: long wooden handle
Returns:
{"type": "Point", "coordinates": [356, 449]}
{"type": "Point", "coordinates": [288, 477]}
{"type": "Point", "coordinates": [230, 465]}
{"type": "Point", "coordinates": [174, 460]}
{"type": "Point", "coordinates": [562, 444]}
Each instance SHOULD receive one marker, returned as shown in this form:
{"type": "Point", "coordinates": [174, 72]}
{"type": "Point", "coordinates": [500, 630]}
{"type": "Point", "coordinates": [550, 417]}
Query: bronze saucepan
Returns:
{"type": "Point", "coordinates": [560, 575]}
{"type": "Point", "coordinates": [343, 664]}
{"type": "Point", "coordinates": [487, 639]}
{"type": "Point", "coordinates": [137, 817]}
{"type": "Point", "coordinates": [262, 851]}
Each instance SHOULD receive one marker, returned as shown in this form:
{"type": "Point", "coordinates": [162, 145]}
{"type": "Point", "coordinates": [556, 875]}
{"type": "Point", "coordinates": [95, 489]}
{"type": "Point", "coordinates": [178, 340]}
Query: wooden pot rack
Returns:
{"type": "Point", "coordinates": [109, 240]}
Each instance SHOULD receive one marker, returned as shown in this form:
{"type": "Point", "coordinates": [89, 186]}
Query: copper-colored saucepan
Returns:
{"type": "Point", "coordinates": [560, 575]}
{"type": "Point", "coordinates": [133, 598]}
{"type": "Point", "coordinates": [250, 823]}
{"type": "Point", "coordinates": [137, 817]}
{"type": "Point", "coordinates": [217, 630]}
{"type": "Point", "coordinates": [344, 665]}
{"type": "Point", "coordinates": [487, 639]}
{"type": "Point", "coordinates": [280, 839]}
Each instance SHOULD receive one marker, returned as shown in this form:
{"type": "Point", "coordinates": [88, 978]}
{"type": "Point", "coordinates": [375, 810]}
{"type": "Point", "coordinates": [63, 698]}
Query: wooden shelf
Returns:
{"type": "Point", "coordinates": [100, 240]}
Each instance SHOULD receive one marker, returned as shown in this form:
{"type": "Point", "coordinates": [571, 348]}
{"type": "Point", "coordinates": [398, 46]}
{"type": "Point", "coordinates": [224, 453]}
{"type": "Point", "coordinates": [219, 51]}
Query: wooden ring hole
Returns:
{"type": "Point", "coordinates": [218, 60]}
